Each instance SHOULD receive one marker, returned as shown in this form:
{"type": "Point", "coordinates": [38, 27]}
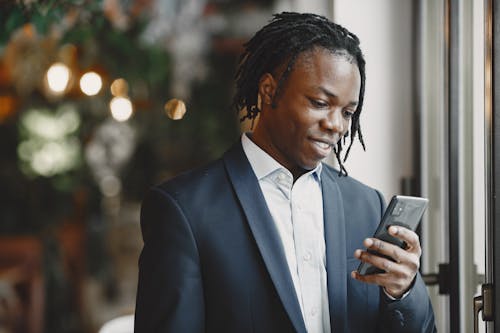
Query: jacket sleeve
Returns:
{"type": "Point", "coordinates": [411, 314]}
{"type": "Point", "coordinates": [170, 291]}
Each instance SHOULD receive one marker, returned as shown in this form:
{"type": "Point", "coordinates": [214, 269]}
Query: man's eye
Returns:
{"type": "Point", "coordinates": [318, 103]}
{"type": "Point", "coordinates": [348, 114]}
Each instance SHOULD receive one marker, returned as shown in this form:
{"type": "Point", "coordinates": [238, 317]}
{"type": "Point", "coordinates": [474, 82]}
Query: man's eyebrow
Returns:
{"type": "Point", "coordinates": [332, 95]}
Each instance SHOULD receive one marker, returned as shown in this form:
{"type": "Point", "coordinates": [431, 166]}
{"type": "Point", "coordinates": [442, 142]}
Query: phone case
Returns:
{"type": "Point", "coordinates": [405, 211]}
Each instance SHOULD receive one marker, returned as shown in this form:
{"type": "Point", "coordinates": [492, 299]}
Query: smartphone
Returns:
{"type": "Point", "coordinates": [404, 211]}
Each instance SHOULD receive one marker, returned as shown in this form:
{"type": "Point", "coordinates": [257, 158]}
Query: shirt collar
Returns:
{"type": "Point", "coordinates": [263, 164]}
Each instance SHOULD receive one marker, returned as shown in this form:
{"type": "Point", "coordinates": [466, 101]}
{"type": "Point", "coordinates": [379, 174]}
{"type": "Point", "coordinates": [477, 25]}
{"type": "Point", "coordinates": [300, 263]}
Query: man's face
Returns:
{"type": "Point", "coordinates": [313, 111]}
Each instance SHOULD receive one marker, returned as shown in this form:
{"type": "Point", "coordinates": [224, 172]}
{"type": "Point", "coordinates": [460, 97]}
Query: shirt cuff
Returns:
{"type": "Point", "coordinates": [394, 298]}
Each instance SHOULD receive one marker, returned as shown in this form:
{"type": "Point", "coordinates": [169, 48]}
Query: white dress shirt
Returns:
{"type": "Point", "coordinates": [297, 211]}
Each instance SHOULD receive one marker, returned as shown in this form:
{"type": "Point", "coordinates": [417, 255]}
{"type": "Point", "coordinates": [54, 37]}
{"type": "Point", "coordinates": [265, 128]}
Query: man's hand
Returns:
{"type": "Point", "coordinates": [399, 274]}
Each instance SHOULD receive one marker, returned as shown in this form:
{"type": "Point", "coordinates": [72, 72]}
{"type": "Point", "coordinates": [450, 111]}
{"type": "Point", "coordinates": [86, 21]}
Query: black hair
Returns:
{"type": "Point", "coordinates": [279, 43]}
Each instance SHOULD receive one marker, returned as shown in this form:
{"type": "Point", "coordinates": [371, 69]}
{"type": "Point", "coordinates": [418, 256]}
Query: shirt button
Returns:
{"type": "Point", "coordinates": [307, 256]}
{"type": "Point", "coordinates": [314, 311]}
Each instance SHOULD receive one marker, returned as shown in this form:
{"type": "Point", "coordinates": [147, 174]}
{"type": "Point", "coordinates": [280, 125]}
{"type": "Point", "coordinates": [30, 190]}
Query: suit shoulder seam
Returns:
{"type": "Point", "coordinates": [175, 202]}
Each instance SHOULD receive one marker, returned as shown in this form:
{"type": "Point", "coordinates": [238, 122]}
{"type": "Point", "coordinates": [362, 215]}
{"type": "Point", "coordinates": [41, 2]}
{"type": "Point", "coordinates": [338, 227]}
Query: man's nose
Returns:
{"type": "Point", "coordinates": [333, 121]}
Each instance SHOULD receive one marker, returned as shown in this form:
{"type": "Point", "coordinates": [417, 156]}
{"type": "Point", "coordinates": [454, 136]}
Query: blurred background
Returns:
{"type": "Point", "coordinates": [99, 100]}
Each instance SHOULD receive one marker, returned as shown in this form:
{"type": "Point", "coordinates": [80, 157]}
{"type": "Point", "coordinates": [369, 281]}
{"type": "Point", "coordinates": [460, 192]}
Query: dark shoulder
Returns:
{"type": "Point", "coordinates": [351, 187]}
{"type": "Point", "coordinates": [346, 180]}
{"type": "Point", "coordinates": [190, 180]}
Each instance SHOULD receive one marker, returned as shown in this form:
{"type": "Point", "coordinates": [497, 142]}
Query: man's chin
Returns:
{"type": "Point", "coordinates": [311, 165]}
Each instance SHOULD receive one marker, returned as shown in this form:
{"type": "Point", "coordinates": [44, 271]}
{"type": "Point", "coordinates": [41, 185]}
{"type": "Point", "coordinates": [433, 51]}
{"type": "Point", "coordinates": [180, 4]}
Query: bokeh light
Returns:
{"type": "Point", "coordinates": [58, 76]}
{"type": "Point", "coordinates": [91, 83]}
{"type": "Point", "coordinates": [119, 87]}
{"type": "Point", "coordinates": [121, 108]}
{"type": "Point", "coordinates": [175, 109]}
{"type": "Point", "coordinates": [110, 185]}
{"type": "Point", "coordinates": [49, 144]}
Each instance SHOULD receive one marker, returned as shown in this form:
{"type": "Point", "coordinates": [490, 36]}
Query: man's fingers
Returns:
{"type": "Point", "coordinates": [394, 251]}
{"type": "Point", "coordinates": [397, 254]}
{"type": "Point", "coordinates": [387, 249]}
{"type": "Point", "coordinates": [396, 287]}
{"type": "Point", "coordinates": [379, 262]}
{"type": "Point", "coordinates": [399, 272]}
{"type": "Point", "coordinates": [407, 235]}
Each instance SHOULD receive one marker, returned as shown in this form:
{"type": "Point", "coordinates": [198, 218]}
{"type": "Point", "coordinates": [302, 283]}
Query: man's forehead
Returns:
{"type": "Point", "coordinates": [306, 57]}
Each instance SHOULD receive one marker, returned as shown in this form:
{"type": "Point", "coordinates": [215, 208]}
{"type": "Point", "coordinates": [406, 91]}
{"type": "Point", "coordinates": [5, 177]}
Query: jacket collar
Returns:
{"type": "Point", "coordinates": [259, 218]}
{"type": "Point", "coordinates": [336, 258]}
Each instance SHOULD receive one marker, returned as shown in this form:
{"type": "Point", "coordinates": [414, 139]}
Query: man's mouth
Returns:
{"type": "Point", "coordinates": [323, 148]}
{"type": "Point", "coordinates": [323, 145]}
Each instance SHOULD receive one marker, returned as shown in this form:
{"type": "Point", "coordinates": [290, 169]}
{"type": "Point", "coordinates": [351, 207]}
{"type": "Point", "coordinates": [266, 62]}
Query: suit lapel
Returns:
{"type": "Point", "coordinates": [248, 191]}
{"type": "Point", "coordinates": [335, 238]}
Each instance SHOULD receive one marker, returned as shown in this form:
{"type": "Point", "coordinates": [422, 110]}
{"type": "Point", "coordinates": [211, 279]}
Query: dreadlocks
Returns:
{"type": "Point", "coordinates": [279, 43]}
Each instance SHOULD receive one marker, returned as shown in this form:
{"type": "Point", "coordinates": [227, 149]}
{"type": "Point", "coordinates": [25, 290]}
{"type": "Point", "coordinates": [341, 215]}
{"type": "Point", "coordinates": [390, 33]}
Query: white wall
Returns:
{"type": "Point", "coordinates": [321, 7]}
{"type": "Point", "coordinates": [434, 148]}
{"type": "Point", "coordinates": [385, 30]}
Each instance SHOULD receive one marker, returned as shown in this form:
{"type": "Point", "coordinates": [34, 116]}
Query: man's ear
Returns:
{"type": "Point", "coordinates": [267, 88]}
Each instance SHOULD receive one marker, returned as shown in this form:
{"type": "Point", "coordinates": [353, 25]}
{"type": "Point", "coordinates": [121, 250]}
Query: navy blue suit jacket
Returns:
{"type": "Point", "coordinates": [213, 262]}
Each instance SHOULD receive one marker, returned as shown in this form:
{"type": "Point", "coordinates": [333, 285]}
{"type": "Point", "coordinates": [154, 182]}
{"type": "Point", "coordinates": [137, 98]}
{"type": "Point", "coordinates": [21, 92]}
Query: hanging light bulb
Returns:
{"type": "Point", "coordinates": [58, 76]}
{"type": "Point", "coordinates": [91, 83]}
{"type": "Point", "coordinates": [121, 108]}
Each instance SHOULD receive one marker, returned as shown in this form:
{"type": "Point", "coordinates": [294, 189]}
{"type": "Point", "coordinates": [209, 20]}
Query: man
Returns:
{"type": "Point", "coordinates": [267, 238]}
